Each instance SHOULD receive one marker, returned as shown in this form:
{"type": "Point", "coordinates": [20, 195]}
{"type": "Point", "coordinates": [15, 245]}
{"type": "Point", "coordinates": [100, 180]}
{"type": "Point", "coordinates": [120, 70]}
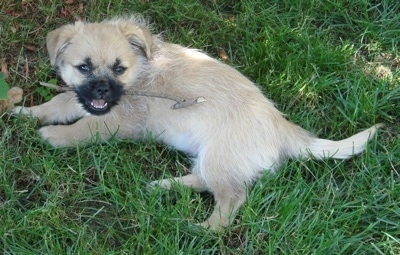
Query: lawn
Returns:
{"type": "Point", "coordinates": [333, 67]}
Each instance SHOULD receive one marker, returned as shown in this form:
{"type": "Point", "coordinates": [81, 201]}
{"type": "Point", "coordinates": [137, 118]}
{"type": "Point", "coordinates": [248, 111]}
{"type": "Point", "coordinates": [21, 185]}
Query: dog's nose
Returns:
{"type": "Point", "coordinates": [101, 87]}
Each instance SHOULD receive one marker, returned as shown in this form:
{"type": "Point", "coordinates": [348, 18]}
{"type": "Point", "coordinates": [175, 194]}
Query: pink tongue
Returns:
{"type": "Point", "coordinates": [98, 103]}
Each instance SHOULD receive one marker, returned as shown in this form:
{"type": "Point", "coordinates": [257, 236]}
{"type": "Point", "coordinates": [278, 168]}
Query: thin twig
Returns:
{"type": "Point", "coordinates": [186, 103]}
{"type": "Point", "coordinates": [180, 102]}
{"type": "Point", "coordinates": [56, 87]}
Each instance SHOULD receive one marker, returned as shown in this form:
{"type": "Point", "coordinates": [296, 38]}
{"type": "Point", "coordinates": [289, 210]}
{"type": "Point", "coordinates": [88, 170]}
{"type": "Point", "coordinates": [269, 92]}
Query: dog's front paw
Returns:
{"type": "Point", "coordinates": [21, 110]}
{"type": "Point", "coordinates": [55, 136]}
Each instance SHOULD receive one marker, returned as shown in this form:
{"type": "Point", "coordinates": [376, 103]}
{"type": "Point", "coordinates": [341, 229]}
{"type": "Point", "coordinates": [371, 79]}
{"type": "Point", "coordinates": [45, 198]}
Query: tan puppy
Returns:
{"type": "Point", "coordinates": [233, 134]}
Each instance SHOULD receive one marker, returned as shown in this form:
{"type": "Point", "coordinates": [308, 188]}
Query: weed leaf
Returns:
{"type": "Point", "coordinates": [3, 86]}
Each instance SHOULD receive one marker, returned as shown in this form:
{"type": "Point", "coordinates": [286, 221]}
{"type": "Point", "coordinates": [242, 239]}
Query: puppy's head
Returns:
{"type": "Point", "coordinates": [100, 60]}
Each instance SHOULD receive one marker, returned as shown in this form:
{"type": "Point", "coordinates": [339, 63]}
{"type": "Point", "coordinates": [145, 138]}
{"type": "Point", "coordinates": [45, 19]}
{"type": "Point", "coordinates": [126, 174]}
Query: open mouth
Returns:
{"type": "Point", "coordinates": [98, 104]}
{"type": "Point", "coordinates": [99, 96]}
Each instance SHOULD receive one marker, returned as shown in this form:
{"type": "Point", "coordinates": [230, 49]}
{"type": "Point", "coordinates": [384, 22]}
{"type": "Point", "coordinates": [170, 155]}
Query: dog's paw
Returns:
{"type": "Point", "coordinates": [20, 110]}
{"type": "Point", "coordinates": [152, 186]}
{"type": "Point", "coordinates": [54, 136]}
{"type": "Point", "coordinates": [211, 227]}
{"type": "Point", "coordinates": [164, 184]}
{"type": "Point", "coordinates": [156, 184]}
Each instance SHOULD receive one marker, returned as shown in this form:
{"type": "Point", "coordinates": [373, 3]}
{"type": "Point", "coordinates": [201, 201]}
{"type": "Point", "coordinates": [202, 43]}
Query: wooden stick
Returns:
{"type": "Point", "coordinates": [56, 87]}
{"type": "Point", "coordinates": [180, 102]}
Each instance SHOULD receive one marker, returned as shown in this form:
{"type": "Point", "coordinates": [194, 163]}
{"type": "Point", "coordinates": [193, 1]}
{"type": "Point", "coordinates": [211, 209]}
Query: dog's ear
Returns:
{"type": "Point", "coordinates": [57, 40]}
{"type": "Point", "coordinates": [138, 36]}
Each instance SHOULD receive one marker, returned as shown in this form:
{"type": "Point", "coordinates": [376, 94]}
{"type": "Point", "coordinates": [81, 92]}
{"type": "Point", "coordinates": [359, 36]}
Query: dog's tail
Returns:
{"type": "Point", "coordinates": [343, 149]}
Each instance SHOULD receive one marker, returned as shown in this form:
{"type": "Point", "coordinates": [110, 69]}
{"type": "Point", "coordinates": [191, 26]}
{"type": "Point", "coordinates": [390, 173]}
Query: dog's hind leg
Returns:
{"type": "Point", "coordinates": [227, 202]}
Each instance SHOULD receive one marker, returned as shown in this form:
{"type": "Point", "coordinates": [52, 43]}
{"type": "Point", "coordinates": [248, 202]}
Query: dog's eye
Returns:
{"type": "Point", "coordinates": [119, 69]}
{"type": "Point", "coordinates": [84, 68]}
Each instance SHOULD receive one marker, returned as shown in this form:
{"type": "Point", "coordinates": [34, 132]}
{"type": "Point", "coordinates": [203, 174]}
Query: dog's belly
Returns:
{"type": "Point", "coordinates": [184, 142]}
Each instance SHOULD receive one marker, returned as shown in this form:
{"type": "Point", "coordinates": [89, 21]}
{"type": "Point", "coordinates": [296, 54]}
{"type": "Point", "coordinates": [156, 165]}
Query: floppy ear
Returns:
{"type": "Point", "coordinates": [138, 36]}
{"type": "Point", "coordinates": [138, 43]}
{"type": "Point", "coordinates": [57, 40]}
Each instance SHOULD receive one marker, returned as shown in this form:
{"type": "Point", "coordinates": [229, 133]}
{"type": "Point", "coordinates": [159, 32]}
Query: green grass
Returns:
{"type": "Point", "coordinates": [331, 66]}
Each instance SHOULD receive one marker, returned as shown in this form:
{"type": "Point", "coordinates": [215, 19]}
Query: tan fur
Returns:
{"type": "Point", "coordinates": [233, 136]}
